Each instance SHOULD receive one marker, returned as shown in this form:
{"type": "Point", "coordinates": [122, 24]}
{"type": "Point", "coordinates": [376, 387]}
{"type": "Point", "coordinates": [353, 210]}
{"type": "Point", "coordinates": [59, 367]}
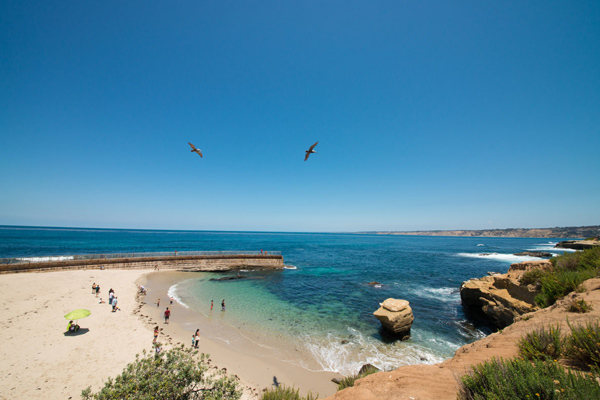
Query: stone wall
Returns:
{"type": "Point", "coordinates": [184, 263]}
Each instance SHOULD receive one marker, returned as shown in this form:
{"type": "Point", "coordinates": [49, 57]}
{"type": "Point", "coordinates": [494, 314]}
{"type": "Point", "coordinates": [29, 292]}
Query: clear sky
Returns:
{"type": "Point", "coordinates": [429, 114]}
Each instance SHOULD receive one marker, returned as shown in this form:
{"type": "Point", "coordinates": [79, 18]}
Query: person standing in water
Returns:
{"type": "Point", "coordinates": [223, 305]}
{"type": "Point", "coordinates": [211, 305]}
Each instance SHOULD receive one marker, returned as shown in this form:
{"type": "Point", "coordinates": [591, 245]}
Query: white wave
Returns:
{"type": "Point", "coordinates": [347, 359]}
{"type": "Point", "coordinates": [447, 294]}
{"type": "Point", "coordinates": [480, 244]}
{"type": "Point", "coordinates": [43, 259]}
{"type": "Point", "coordinates": [289, 267]}
{"type": "Point", "coordinates": [549, 247]}
{"type": "Point", "coordinates": [510, 258]}
{"type": "Point", "coordinates": [172, 292]}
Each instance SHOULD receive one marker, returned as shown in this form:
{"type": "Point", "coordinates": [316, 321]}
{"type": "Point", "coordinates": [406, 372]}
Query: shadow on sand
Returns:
{"type": "Point", "coordinates": [81, 331]}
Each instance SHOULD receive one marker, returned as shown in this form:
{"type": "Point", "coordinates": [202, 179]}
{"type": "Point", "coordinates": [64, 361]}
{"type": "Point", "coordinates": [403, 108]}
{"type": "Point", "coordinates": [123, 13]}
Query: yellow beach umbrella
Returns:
{"type": "Point", "coordinates": [77, 314]}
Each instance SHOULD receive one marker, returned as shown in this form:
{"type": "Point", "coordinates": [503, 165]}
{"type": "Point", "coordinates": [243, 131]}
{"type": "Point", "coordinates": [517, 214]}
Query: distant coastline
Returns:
{"type": "Point", "coordinates": [572, 232]}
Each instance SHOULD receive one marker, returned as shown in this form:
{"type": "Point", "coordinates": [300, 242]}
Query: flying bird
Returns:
{"type": "Point", "coordinates": [195, 150]}
{"type": "Point", "coordinates": [310, 151]}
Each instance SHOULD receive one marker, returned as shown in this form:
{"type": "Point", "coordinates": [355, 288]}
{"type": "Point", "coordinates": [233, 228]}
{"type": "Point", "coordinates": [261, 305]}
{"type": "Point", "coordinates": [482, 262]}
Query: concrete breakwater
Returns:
{"type": "Point", "coordinates": [212, 262]}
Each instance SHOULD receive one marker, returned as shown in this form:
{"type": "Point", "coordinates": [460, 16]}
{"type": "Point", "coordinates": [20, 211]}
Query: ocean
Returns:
{"type": "Point", "coordinates": [322, 303]}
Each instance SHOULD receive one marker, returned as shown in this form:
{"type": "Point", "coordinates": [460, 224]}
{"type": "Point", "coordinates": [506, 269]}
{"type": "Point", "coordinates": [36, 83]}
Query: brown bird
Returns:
{"type": "Point", "coordinates": [310, 151]}
{"type": "Point", "coordinates": [195, 150]}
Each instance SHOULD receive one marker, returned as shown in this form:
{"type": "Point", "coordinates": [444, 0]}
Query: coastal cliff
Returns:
{"type": "Point", "coordinates": [501, 298]}
{"type": "Point", "coordinates": [440, 381]}
{"type": "Point", "coordinates": [558, 232]}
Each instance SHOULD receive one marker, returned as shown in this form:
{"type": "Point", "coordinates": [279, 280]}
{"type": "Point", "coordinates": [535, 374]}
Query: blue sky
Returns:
{"type": "Point", "coordinates": [429, 114]}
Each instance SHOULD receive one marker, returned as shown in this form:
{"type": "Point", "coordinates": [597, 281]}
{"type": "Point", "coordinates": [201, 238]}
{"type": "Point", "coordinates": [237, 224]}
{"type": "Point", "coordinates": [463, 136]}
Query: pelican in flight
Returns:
{"type": "Point", "coordinates": [310, 151]}
{"type": "Point", "coordinates": [195, 150]}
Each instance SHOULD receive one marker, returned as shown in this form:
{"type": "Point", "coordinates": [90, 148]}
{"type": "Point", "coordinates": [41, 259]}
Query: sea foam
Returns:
{"type": "Point", "coordinates": [509, 258]}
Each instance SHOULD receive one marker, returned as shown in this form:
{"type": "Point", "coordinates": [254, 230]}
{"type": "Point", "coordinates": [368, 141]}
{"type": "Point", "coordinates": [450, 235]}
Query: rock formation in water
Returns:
{"type": "Point", "coordinates": [578, 244]}
{"type": "Point", "coordinates": [396, 317]}
{"type": "Point", "coordinates": [501, 298]}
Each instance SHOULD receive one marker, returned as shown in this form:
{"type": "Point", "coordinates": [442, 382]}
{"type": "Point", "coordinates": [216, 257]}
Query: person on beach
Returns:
{"type": "Point", "coordinates": [171, 299]}
{"type": "Point", "coordinates": [94, 288]}
{"type": "Point", "coordinates": [156, 330]}
{"type": "Point", "coordinates": [156, 267]}
{"type": "Point", "coordinates": [211, 305]}
{"type": "Point", "coordinates": [158, 303]}
{"type": "Point", "coordinates": [223, 305]}
{"type": "Point", "coordinates": [193, 340]}
{"type": "Point", "coordinates": [197, 338]}
{"type": "Point", "coordinates": [111, 297]}
{"type": "Point", "coordinates": [114, 303]}
{"type": "Point", "coordinates": [97, 290]}
{"type": "Point", "coordinates": [167, 315]}
{"type": "Point", "coordinates": [101, 301]}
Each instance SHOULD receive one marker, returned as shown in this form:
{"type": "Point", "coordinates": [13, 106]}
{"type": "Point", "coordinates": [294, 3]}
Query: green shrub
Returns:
{"type": "Point", "coordinates": [285, 393]}
{"type": "Point", "coordinates": [173, 374]}
{"type": "Point", "coordinates": [542, 344]}
{"type": "Point", "coordinates": [348, 381]}
{"type": "Point", "coordinates": [517, 379]}
{"type": "Point", "coordinates": [530, 277]}
{"type": "Point", "coordinates": [583, 345]}
{"type": "Point", "coordinates": [559, 283]}
{"type": "Point", "coordinates": [579, 306]}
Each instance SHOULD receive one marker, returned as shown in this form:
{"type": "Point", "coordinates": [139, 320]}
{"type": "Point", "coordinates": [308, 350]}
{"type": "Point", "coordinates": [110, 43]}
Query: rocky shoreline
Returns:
{"type": "Point", "coordinates": [506, 303]}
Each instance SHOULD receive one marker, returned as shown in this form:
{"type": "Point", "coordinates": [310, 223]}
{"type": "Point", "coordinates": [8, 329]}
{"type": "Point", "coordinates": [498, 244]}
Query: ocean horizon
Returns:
{"type": "Point", "coordinates": [322, 304]}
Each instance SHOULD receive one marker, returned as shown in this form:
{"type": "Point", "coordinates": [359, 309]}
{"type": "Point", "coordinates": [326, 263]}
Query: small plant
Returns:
{"type": "Point", "coordinates": [286, 393]}
{"type": "Point", "coordinates": [499, 379]}
{"type": "Point", "coordinates": [348, 381]}
{"type": "Point", "coordinates": [583, 346]}
{"type": "Point", "coordinates": [579, 306]}
{"type": "Point", "coordinates": [542, 344]}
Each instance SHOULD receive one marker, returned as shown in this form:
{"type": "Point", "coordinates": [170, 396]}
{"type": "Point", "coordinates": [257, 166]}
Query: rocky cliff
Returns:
{"type": "Point", "coordinates": [559, 232]}
{"type": "Point", "coordinates": [501, 298]}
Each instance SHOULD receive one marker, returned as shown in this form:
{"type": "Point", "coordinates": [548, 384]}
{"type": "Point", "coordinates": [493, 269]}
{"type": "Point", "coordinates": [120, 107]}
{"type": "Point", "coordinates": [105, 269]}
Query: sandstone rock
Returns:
{"type": "Point", "coordinates": [579, 244]}
{"type": "Point", "coordinates": [396, 317]}
{"type": "Point", "coordinates": [500, 297]}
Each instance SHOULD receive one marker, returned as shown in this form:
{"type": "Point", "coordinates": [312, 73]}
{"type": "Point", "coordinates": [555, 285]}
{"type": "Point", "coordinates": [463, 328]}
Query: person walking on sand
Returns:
{"type": "Point", "coordinates": [94, 288]}
{"type": "Point", "coordinates": [97, 290]}
{"type": "Point", "coordinates": [223, 305]}
{"type": "Point", "coordinates": [114, 303]}
{"type": "Point", "coordinates": [171, 299]}
{"type": "Point", "coordinates": [197, 338]}
{"type": "Point", "coordinates": [155, 334]}
{"type": "Point", "coordinates": [167, 315]}
{"type": "Point", "coordinates": [158, 303]}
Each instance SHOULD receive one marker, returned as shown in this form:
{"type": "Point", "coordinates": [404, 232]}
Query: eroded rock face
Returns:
{"type": "Point", "coordinates": [396, 317]}
{"type": "Point", "coordinates": [500, 297]}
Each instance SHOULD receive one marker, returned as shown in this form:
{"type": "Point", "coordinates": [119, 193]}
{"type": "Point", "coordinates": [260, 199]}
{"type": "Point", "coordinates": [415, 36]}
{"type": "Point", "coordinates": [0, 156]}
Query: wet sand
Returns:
{"type": "Point", "coordinates": [257, 366]}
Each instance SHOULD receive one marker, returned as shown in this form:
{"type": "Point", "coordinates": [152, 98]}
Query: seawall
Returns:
{"type": "Point", "coordinates": [206, 263]}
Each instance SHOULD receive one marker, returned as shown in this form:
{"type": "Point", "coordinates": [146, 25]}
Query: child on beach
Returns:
{"type": "Point", "coordinates": [155, 334]}
{"type": "Point", "coordinates": [167, 315]}
{"type": "Point", "coordinates": [211, 305]}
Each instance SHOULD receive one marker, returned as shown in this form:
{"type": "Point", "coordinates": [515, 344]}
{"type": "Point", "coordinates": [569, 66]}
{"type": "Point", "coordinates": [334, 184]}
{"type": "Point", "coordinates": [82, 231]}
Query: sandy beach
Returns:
{"type": "Point", "coordinates": [38, 360]}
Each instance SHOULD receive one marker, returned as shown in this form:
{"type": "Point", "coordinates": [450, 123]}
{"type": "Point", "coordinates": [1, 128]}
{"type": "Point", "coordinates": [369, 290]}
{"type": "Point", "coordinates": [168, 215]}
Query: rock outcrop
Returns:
{"type": "Point", "coordinates": [396, 317]}
{"type": "Point", "coordinates": [501, 298]}
{"type": "Point", "coordinates": [578, 244]}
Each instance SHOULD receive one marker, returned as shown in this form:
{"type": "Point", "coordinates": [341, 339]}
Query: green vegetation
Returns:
{"type": "Point", "coordinates": [173, 374]}
{"type": "Point", "coordinates": [583, 345]}
{"type": "Point", "coordinates": [569, 271]}
{"type": "Point", "coordinates": [285, 393]}
{"type": "Point", "coordinates": [500, 379]}
{"type": "Point", "coordinates": [579, 306]}
{"type": "Point", "coordinates": [348, 381]}
{"type": "Point", "coordinates": [542, 344]}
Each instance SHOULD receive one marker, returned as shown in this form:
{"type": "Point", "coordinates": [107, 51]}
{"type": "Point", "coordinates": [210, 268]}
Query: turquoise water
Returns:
{"type": "Point", "coordinates": [325, 299]}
